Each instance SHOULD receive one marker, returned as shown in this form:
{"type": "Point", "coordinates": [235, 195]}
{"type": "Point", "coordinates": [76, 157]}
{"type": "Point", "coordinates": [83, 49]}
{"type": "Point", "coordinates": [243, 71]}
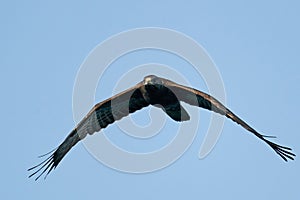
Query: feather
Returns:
{"type": "Point", "coordinates": [154, 91]}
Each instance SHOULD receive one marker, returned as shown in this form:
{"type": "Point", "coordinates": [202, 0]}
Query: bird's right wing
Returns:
{"type": "Point", "coordinates": [197, 98]}
{"type": "Point", "coordinates": [100, 116]}
{"type": "Point", "coordinates": [112, 109]}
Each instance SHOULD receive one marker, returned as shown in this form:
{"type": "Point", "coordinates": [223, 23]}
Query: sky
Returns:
{"type": "Point", "coordinates": [254, 45]}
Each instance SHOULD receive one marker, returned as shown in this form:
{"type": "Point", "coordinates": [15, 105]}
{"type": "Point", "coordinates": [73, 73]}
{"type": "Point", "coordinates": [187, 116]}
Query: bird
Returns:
{"type": "Point", "coordinates": [155, 91]}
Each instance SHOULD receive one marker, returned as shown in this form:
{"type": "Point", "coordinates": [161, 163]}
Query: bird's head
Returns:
{"type": "Point", "coordinates": [152, 80]}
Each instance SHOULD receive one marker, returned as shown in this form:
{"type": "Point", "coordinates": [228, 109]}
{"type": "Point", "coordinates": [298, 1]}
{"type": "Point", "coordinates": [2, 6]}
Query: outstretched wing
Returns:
{"type": "Point", "coordinates": [100, 116]}
{"type": "Point", "coordinates": [197, 98]}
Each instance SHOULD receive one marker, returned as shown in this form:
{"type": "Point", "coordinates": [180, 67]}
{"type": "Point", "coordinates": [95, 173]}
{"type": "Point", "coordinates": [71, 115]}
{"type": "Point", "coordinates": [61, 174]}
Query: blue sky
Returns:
{"type": "Point", "coordinates": [255, 46]}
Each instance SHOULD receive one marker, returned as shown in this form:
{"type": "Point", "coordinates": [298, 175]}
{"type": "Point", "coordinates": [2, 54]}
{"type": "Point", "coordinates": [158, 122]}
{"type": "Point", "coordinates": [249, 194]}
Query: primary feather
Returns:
{"type": "Point", "coordinates": [154, 91]}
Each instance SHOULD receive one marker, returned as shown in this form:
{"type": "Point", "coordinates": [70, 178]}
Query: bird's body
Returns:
{"type": "Point", "coordinates": [154, 91]}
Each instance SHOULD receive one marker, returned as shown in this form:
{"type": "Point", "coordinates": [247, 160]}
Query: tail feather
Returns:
{"type": "Point", "coordinates": [175, 111]}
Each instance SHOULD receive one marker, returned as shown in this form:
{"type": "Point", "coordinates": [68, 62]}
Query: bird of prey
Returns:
{"type": "Point", "coordinates": [155, 91]}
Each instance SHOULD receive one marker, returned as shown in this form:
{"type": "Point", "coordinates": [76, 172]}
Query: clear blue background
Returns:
{"type": "Point", "coordinates": [254, 44]}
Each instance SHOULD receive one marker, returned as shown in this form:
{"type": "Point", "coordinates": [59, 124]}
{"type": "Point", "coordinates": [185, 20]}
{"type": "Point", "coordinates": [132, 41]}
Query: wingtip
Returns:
{"type": "Point", "coordinates": [284, 152]}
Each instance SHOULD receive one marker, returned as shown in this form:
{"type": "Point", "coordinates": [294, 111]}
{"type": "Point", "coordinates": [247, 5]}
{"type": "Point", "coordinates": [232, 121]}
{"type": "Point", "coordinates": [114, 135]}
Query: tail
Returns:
{"type": "Point", "coordinates": [56, 156]}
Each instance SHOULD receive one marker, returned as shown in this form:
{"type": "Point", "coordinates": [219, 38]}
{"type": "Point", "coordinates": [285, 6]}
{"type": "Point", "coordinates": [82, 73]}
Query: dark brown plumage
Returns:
{"type": "Point", "coordinates": [154, 91]}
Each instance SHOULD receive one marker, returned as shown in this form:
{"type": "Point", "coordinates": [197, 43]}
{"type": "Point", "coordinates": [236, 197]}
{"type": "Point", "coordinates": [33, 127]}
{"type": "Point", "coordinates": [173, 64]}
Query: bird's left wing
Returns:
{"type": "Point", "coordinates": [197, 98]}
{"type": "Point", "coordinates": [100, 116]}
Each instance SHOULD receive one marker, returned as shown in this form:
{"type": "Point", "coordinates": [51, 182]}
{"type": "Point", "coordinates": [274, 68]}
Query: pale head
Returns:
{"type": "Point", "coordinates": [152, 80]}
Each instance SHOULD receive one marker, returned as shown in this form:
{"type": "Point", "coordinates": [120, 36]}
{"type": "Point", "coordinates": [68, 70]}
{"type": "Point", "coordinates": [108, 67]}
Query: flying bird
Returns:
{"type": "Point", "coordinates": [155, 91]}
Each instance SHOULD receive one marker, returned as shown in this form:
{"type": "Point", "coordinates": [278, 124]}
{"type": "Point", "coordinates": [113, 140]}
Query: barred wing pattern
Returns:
{"type": "Point", "coordinates": [102, 114]}
{"type": "Point", "coordinates": [197, 98]}
{"type": "Point", "coordinates": [152, 90]}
